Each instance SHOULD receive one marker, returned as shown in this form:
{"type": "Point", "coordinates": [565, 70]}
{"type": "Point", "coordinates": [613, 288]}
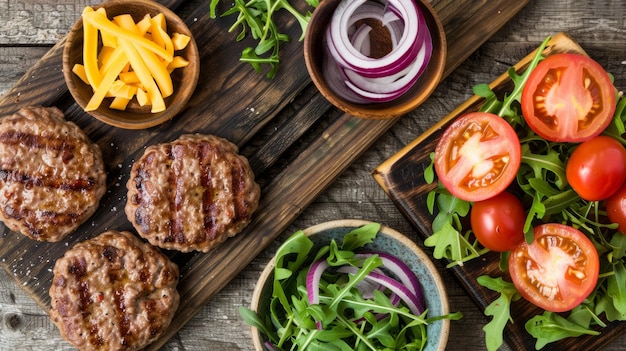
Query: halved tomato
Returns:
{"type": "Point", "coordinates": [568, 98]}
{"type": "Point", "coordinates": [477, 156]}
{"type": "Point", "coordinates": [558, 270]}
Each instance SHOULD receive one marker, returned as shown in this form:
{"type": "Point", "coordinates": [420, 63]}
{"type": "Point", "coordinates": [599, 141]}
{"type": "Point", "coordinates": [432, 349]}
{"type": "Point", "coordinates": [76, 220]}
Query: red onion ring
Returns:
{"type": "Point", "coordinates": [359, 78]}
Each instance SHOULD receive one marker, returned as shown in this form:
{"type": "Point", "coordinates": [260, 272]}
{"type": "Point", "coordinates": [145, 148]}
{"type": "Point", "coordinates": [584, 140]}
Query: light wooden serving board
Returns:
{"type": "Point", "coordinates": [297, 143]}
{"type": "Point", "coordinates": [402, 178]}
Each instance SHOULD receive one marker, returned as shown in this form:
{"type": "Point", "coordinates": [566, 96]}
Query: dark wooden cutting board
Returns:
{"type": "Point", "coordinates": [297, 143]}
{"type": "Point", "coordinates": [402, 178]}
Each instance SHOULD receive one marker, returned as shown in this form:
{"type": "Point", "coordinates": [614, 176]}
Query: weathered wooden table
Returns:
{"type": "Point", "coordinates": [29, 28]}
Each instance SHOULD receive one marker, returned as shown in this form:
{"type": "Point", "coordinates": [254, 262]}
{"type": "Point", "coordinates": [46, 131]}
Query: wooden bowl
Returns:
{"type": "Point", "coordinates": [314, 52]}
{"type": "Point", "coordinates": [388, 241]}
{"type": "Point", "coordinates": [134, 116]}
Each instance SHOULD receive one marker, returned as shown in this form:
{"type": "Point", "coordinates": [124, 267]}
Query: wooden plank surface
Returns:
{"type": "Point", "coordinates": [232, 102]}
{"type": "Point", "coordinates": [352, 194]}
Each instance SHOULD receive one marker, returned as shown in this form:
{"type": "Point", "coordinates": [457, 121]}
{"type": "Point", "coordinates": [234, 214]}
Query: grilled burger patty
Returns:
{"type": "Point", "coordinates": [113, 292]}
{"type": "Point", "coordinates": [52, 176]}
{"type": "Point", "coordinates": [192, 193]}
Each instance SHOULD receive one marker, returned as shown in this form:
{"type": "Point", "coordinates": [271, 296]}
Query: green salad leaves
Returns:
{"type": "Point", "coordinates": [256, 18]}
{"type": "Point", "coordinates": [541, 181]}
{"type": "Point", "coordinates": [346, 317]}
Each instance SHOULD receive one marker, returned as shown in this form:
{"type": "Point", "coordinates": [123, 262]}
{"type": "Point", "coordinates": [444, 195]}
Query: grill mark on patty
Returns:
{"type": "Point", "coordinates": [178, 153]}
{"type": "Point", "coordinates": [36, 220]}
{"type": "Point", "coordinates": [36, 141]}
{"type": "Point", "coordinates": [123, 322]}
{"type": "Point", "coordinates": [78, 269]}
{"type": "Point", "coordinates": [238, 189]}
{"type": "Point", "coordinates": [29, 181]}
{"type": "Point", "coordinates": [209, 207]}
{"type": "Point", "coordinates": [141, 216]}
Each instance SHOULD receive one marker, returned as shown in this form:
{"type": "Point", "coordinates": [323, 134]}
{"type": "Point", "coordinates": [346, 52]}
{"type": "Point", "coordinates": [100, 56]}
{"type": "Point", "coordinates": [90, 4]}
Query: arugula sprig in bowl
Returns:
{"type": "Point", "coordinates": [350, 311]}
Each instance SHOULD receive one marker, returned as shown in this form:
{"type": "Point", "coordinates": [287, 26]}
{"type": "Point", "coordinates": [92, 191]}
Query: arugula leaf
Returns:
{"type": "Point", "coordinates": [360, 236]}
{"type": "Point", "coordinates": [449, 243]}
{"type": "Point", "coordinates": [616, 288]}
{"type": "Point", "coordinates": [256, 18]}
{"type": "Point", "coordinates": [500, 309]}
{"type": "Point", "coordinates": [299, 245]}
{"type": "Point", "coordinates": [550, 327]}
{"type": "Point", "coordinates": [618, 246]}
{"type": "Point", "coordinates": [506, 109]}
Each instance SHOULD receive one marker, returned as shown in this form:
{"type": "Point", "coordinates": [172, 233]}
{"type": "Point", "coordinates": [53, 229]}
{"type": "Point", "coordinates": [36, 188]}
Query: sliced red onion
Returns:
{"type": "Point", "coordinates": [360, 39]}
{"type": "Point", "coordinates": [412, 302]}
{"type": "Point", "coordinates": [313, 280]}
{"type": "Point", "coordinates": [339, 36]}
{"type": "Point", "coordinates": [398, 268]}
{"type": "Point", "coordinates": [269, 346]}
{"type": "Point", "coordinates": [367, 288]}
{"type": "Point", "coordinates": [360, 78]}
{"type": "Point", "coordinates": [387, 87]}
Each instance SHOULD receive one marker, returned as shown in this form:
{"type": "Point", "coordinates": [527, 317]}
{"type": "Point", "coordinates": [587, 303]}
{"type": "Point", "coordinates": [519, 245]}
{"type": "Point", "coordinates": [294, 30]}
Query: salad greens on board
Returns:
{"type": "Point", "coordinates": [540, 179]}
{"type": "Point", "coordinates": [256, 18]}
{"type": "Point", "coordinates": [339, 307]}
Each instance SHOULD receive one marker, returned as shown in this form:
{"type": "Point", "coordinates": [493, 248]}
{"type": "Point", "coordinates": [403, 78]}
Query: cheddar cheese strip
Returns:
{"type": "Point", "coordinates": [90, 51]}
{"type": "Point", "coordinates": [118, 62]}
{"type": "Point", "coordinates": [157, 69]}
{"type": "Point", "coordinates": [143, 73]}
{"type": "Point", "coordinates": [101, 22]}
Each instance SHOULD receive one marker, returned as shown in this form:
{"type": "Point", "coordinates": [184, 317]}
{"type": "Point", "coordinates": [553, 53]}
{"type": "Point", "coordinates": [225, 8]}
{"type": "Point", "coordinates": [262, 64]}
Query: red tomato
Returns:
{"type": "Point", "coordinates": [597, 168]}
{"type": "Point", "coordinates": [498, 222]}
{"type": "Point", "coordinates": [558, 270]}
{"type": "Point", "coordinates": [568, 98]}
{"type": "Point", "coordinates": [477, 156]}
{"type": "Point", "coordinates": [616, 208]}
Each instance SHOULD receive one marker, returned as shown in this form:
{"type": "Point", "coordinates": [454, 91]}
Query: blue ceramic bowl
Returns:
{"type": "Point", "coordinates": [389, 241]}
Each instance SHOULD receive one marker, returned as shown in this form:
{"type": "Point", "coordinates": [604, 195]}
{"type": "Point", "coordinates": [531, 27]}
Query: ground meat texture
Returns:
{"type": "Point", "coordinates": [113, 292]}
{"type": "Point", "coordinates": [52, 176]}
{"type": "Point", "coordinates": [192, 193]}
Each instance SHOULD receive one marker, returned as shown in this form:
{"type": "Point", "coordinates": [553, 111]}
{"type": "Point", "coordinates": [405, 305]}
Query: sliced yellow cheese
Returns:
{"type": "Point", "coordinates": [143, 73]}
{"type": "Point", "coordinates": [90, 51]}
{"type": "Point", "coordinates": [79, 70]}
{"type": "Point", "coordinates": [101, 22]}
{"type": "Point", "coordinates": [180, 41]}
{"type": "Point", "coordinates": [155, 66]}
{"type": "Point", "coordinates": [177, 62]}
{"type": "Point", "coordinates": [117, 64]}
{"type": "Point", "coordinates": [134, 59]}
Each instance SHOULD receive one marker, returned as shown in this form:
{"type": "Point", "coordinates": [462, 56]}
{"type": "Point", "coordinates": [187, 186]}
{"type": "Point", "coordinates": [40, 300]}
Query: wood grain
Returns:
{"type": "Point", "coordinates": [402, 177]}
{"type": "Point", "coordinates": [232, 102]}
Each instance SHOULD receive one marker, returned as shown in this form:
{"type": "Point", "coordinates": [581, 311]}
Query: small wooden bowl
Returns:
{"type": "Point", "coordinates": [134, 116]}
{"type": "Point", "coordinates": [314, 53]}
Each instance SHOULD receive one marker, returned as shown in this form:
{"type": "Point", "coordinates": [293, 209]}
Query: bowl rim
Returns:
{"type": "Point", "coordinates": [388, 110]}
{"type": "Point", "coordinates": [355, 223]}
{"type": "Point", "coordinates": [153, 119]}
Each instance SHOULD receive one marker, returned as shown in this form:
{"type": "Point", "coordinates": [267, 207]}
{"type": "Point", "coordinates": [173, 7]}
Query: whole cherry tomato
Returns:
{"type": "Point", "coordinates": [597, 168]}
{"type": "Point", "coordinates": [498, 222]}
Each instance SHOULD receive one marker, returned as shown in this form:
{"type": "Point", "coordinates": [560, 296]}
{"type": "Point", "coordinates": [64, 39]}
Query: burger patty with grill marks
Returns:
{"type": "Point", "coordinates": [113, 292]}
{"type": "Point", "coordinates": [52, 176]}
{"type": "Point", "coordinates": [192, 193]}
